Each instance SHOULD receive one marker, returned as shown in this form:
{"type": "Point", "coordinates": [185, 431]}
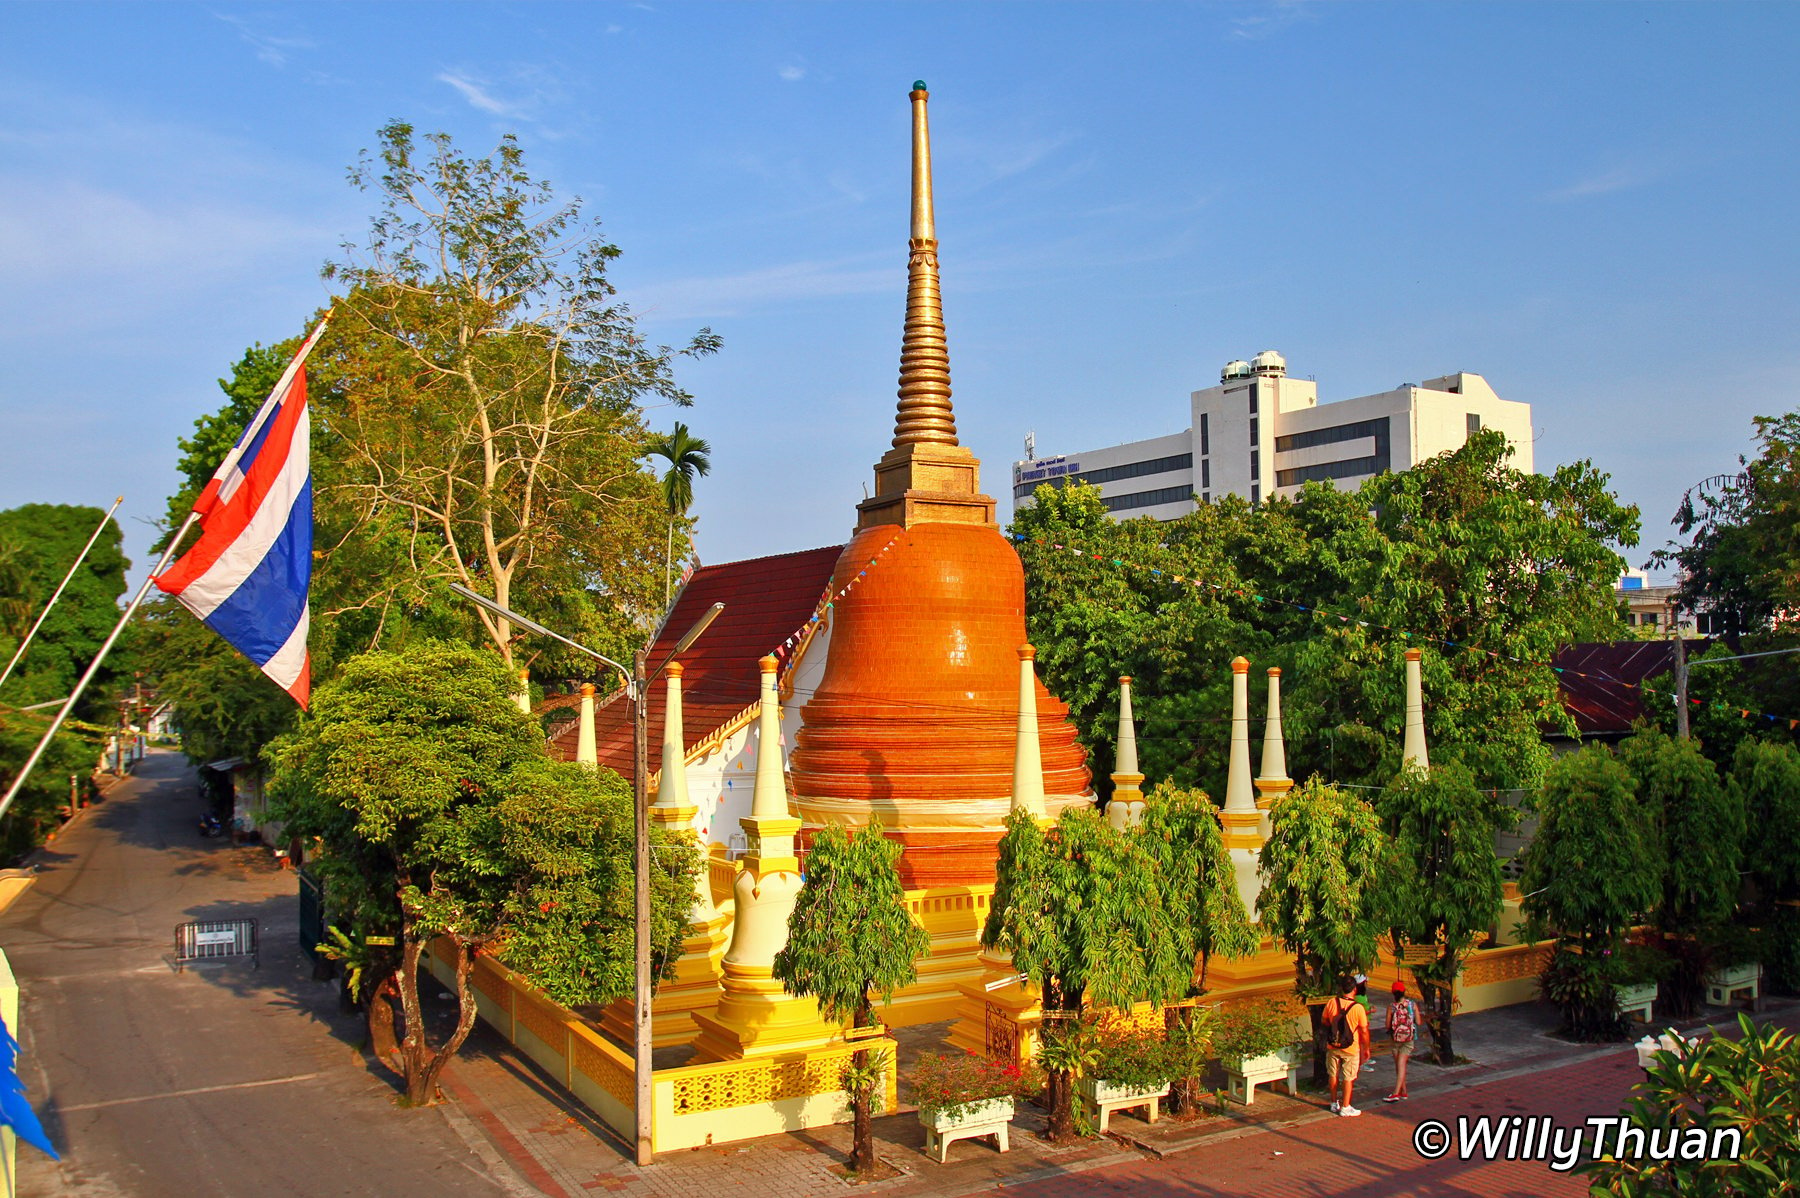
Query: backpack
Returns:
{"type": "Point", "coordinates": [1337, 1029]}
{"type": "Point", "coordinates": [1402, 1021]}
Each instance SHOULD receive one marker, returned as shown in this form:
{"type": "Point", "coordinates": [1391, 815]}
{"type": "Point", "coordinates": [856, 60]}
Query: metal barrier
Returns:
{"type": "Point", "coordinates": [312, 914]}
{"type": "Point", "coordinates": [206, 940]}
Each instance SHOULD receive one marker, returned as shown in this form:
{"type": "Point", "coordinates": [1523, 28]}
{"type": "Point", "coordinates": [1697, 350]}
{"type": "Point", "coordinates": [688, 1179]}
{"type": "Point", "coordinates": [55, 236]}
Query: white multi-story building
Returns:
{"type": "Point", "coordinates": [1260, 432]}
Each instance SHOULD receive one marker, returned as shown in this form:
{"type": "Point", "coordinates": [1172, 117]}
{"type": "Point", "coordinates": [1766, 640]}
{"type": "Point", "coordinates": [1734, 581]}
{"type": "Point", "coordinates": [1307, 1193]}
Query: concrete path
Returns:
{"type": "Point", "coordinates": [223, 1080]}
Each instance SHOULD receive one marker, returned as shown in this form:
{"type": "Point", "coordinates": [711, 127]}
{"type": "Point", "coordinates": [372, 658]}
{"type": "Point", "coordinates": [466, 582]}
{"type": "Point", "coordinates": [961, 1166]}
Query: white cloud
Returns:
{"type": "Point", "coordinates": [792, 74]}
{"type": "Point", "coordinates": [726, 295]}
{"type": "Point", "coordinates": [1618, 178]}
{"type": "Point", "coordinates": [1274, 18]}
{"type": "Point", "coordinates": [272, 48]}
{"type": "Point", "coordinates": [478, 95]}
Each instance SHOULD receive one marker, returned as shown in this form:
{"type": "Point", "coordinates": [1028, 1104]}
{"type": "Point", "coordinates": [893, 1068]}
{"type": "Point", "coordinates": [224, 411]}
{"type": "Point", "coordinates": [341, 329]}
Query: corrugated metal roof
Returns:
{"type": "Point", "coordinates": [1602, 683]}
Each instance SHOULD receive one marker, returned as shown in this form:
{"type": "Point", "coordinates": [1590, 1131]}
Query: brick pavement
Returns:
{"type": "Point", "coordinates": [1284, 1148]}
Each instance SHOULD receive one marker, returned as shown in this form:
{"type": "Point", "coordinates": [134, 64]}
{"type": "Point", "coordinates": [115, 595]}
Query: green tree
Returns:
{"type": "Point", "coordinates": [1765, 780]}
{"type": "Point", "coordinates": [441, 819]}
{"type": "Point", "coordinates": [1445, 888]}
{"type": "Point", "coordinates": [491, 383]}
{"type": "Point", "coordinates": [687, 456]}
{"type": "Point", "coordinates": [1081, 909]}
{"type": "Point", "coordinates": [1181, 834]}
{"type": "Point", "coordinates": [850, 938]}
{"type": "Point", "coordinates": [1500, 567]}
{"type": "Point", "coordinates": [1322, 868]}
{"type": "Point", "coordinates": [41, 542]}
{"type": "Point", "coordinates": [1591, 873]}
{"type": "Point", "coordinates": [1698, 827]}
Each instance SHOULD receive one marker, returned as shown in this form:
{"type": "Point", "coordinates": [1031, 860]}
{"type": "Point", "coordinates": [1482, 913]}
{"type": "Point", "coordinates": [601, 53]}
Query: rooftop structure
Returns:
{"type": "Point", "coordinates": [1261, 432]}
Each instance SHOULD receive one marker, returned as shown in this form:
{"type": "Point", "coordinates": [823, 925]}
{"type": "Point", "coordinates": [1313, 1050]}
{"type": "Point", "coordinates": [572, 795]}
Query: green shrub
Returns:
{"type": "Point", "coordinates": [1750, 1086]}
{"type": "Point", "coordinates": [1250, 1029]}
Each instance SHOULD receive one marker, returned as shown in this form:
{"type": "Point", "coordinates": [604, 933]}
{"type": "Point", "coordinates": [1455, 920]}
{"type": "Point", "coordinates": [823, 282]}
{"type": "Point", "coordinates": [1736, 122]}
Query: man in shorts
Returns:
{"type": "Point", "coordinates": [1346, 1029]}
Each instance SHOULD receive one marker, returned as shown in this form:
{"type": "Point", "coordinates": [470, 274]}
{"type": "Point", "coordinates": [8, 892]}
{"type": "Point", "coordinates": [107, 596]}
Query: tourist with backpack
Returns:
{"type": "Point", "coordinates": [1403, 1027]}
{"type": "Point", "coordinates": [1346, 1030]}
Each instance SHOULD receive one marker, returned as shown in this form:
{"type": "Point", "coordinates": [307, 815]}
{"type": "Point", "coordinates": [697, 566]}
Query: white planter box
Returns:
{"type": "Point", "coordinates": [1638, 1000]}
{"type": "Point", "coordinates": [1243, 1076]}
{"type": "Point", "coordinates": [1723, 985]}
{"type": "Point", "coordinates": [989, 1117]}
{"type": "Point", "coordinates": [1104, 1098]}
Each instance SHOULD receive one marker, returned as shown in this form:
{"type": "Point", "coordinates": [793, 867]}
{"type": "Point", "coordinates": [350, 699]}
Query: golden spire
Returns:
{"type": "Point", "coordinates": [924, 416]}
{"type": "Point", "coordinates": [928, 477]}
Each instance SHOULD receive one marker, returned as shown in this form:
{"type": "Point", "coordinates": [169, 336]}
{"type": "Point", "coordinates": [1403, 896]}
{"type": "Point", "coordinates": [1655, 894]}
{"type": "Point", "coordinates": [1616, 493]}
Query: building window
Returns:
{"type": "Point", "coordinates": [1205, 472]}
{"type": "Point", "coordinates": [1253, 406]}
{"type": "Point", "coordinates": [1255, 493]}
{"type": "Point", "coordinates": [1255, 467]}
{"type": "Point", "coordinates": [1474, 419]}
{"type": "Point", "coordinates": [1205, 441]}
{"type": "Point", "coordinates": [1254, 435]}
{"type": "Point", "coordinates": [1108, 474]}
{"type": "Point", "coordinates": [1347, 468]}
{"type": "Point", "coordinates": [1142, 499]}
{"type": "Point", "coordinates": [1206, 497]}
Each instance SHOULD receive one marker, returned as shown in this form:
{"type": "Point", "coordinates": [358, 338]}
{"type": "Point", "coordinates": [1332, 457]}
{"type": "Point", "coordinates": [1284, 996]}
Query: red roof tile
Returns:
{"type": "Point", "coordinates": [766, 599]}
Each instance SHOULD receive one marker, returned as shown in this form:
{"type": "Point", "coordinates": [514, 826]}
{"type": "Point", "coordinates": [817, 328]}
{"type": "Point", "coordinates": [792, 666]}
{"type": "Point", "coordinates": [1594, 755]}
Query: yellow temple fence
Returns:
{"type": "Point", "coordinates": [692, 1105]}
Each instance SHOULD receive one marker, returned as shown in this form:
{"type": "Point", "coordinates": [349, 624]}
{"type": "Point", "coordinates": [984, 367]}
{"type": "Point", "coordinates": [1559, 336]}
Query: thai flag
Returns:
{"type": "Point", "coordinates": [247, 576]}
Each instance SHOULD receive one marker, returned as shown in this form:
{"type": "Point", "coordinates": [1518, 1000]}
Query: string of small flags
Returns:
{"type": "Point", "coordinates": [785, 650]}
{"type": "Point", "coordinates": [1423, 638]}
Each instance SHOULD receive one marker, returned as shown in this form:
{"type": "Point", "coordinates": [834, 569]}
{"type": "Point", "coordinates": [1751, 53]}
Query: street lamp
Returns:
{"type": "Point", "coordinates": [636, 681]}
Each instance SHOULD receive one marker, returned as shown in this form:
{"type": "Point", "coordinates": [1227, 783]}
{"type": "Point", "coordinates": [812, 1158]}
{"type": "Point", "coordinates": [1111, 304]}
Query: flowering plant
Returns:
{"type": "Point", "coordinates": [947, 1086]}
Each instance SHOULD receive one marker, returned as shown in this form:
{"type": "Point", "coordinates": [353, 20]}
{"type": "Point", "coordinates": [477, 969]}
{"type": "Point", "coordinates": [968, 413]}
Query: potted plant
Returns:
{"type": "Point", "coordinates": [1130, 1069]}
{"type": "Point", "coordinates": [1256, 1042]}
{"type": "Point", "coordinates": [1638, 970]}
{"type": "Point", "coordinates": [1736, 964]}
{"type": "Point", "coordinates": [962, 1096]}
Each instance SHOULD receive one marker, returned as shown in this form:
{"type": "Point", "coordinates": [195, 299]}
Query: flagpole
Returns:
{"type": "Point", "coordinates": [20, 652]}
{"type": "Point", "coordinates": [94, 666]}
{"type": "Point", "coordinates": [225, 467]}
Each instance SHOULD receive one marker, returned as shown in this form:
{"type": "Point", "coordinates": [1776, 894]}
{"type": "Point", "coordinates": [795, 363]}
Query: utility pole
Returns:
{"type": "Point", "coordinates": [1681, 686]}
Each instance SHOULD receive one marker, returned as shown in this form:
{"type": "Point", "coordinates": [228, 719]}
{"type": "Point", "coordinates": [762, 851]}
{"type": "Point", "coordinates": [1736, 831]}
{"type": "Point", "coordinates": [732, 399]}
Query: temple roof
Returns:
{"type": "Point", "coordinates": [766, 599]}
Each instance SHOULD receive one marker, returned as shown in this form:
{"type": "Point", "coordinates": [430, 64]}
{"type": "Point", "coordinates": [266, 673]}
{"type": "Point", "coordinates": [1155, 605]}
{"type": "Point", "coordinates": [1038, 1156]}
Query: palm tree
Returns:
{"type": "Point", "coordinates": [686, 455]}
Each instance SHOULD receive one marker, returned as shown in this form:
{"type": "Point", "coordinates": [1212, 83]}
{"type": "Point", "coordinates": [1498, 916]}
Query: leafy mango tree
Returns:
{"type": "Point", "coordinates": [1181, 834]}
{"type": "Point", "coordinates": [1697, 828]}
{"type": "Point", "coordinates": [1590, 873]}
{"type": "Point", "coordinates": [1322, 869]}
{"type": "Point", "coordinates": [851, 938]}
{"type": "Point", "coordinates": [1445, 887]}
{"type": "Point", "coordinates": [443, 824]}
{"type": "Point", "coordinates": [1081, 908]}
{"type": "Point", "coordinates": [1765, 778]}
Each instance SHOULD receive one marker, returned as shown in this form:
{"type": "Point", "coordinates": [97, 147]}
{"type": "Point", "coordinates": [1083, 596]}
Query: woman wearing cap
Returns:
{"type": "Point", "coordinates": [1403, 1029]}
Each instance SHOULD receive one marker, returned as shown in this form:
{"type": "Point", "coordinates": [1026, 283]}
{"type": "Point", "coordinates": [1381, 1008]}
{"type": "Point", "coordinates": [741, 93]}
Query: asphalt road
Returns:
{"type": "Point", "coordinates": [223, 1080]}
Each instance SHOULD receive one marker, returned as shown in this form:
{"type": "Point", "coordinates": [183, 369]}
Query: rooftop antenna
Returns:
{"type": "Point", "coordinates": [1030, 446]}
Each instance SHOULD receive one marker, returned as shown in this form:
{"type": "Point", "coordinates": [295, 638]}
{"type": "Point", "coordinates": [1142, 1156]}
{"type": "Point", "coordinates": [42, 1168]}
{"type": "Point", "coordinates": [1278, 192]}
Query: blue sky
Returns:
{"type": "Point", "coordinates": [1589, 204]}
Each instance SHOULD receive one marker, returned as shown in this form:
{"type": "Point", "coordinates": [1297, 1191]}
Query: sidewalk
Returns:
{"type": "Point", "coordinates": [1280, 1145]}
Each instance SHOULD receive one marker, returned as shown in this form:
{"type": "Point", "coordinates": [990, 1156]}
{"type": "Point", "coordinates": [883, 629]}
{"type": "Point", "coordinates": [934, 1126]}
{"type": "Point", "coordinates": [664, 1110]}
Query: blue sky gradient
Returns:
{"type": "Point", "coordinates": [1591, 205]}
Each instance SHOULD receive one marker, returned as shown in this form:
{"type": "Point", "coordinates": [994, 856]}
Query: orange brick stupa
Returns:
{"type": "Point", "coordinates": [914, 721]}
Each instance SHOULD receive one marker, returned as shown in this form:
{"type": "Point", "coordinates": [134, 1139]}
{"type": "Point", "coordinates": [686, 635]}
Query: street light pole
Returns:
{"type": "Point", "coordinates": [640, 805]}
{"type": "Point", "coordinates": [637, 682]}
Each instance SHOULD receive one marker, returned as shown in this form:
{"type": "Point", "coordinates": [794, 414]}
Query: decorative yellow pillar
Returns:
{"type": "Point", "coordinates": [695, 986]}
{"type": "Point", "coordinates": [1413, 756]}
{"type": "Point", "coordinates": [523, 695]}
{"type": "Point", "coordinates": [755, 1015]}
{"type": "Point", "coordinates": [585, 751]}
{"type": "Point", "coordinates": [1028, 753]}
{"type": "Point", "coordinates": [1126, 807]}
{"type": "Point", "coordinates": [1272, 781]}
{"type": "Point", "coordinates": [1240, 816]}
